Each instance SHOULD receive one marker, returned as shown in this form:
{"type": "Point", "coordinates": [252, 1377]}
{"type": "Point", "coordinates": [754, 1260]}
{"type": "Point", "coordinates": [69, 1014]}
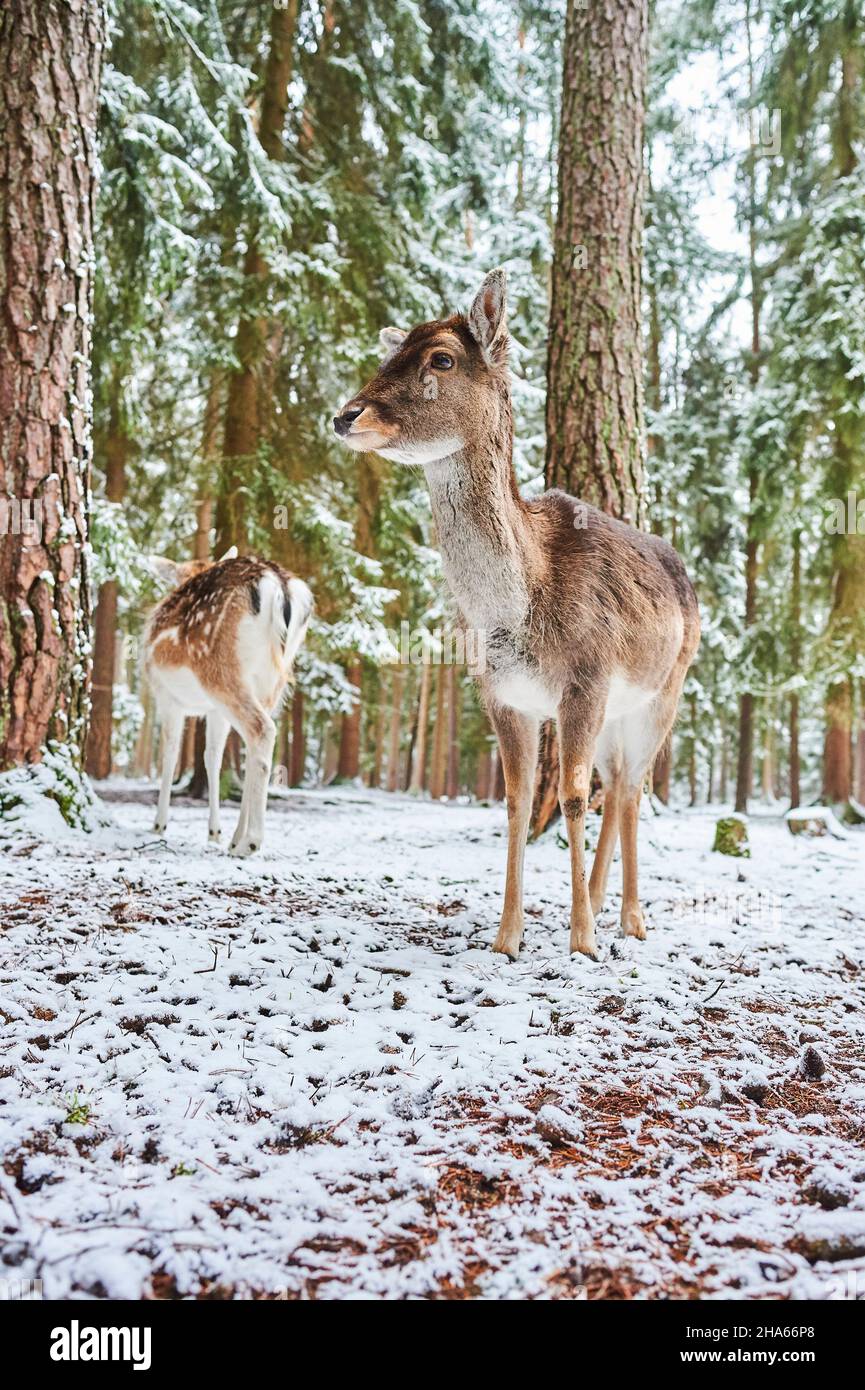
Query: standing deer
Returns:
{"type": "Point", "coordinates": [585, 618]}
{"type": "Point", "coordinates": [222, 645]}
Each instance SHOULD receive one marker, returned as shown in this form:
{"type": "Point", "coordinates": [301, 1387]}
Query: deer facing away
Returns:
{"type": "Point", "coordinates": [222, 645]}
{"type": "Point", "coordinates": [585, 618]}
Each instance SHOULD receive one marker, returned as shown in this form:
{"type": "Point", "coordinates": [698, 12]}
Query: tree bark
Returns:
{"type": "Point", "coordinates": [418, 771]}
{"type": "Point", "coordinates": [438, 764]}
{"type": "Point", "coordinates": [594, 420]}
{"type": "Point", "coordinates": [453, 773]}
{"type": "Point", "coordinates": [98, 760]}
{"type": "Point", "coordinates": [745, 762]}
{"type": "Point", "coordinates": [594, 365]}
{"type": "Point", "coordinates": [795, 662]}
{"type": "Point", "coordinates": [243, 410]}
{"type": "Point", "coordinates": [398, 680]}
{"type": "Point", "coordinates": [348, 764]}
{"type": "Point", "coordinates": [860, 748]}
{"type": "Point", "coordinates": [50, 58]}
{"type": "Point", "coordinates": [837, 765]}
{"type": "Point", "coordinates": [298, 740]}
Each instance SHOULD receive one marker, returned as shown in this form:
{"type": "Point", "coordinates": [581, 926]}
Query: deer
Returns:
{"type": "Point", "coordinates": [585, 619]}
{"type": "Point", "coordinates": [222, 645]}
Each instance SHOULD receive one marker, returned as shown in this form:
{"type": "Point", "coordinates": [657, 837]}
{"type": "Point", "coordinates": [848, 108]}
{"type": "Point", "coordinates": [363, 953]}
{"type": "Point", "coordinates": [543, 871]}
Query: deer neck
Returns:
{"type": "Point", "coordinates": [483, 532]}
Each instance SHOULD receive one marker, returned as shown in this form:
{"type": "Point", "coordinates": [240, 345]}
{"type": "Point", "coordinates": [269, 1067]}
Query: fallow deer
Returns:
{"type": "Point", "coordinates": [586, 618]}
{"type": "Point", "coordinates": [222, 645]}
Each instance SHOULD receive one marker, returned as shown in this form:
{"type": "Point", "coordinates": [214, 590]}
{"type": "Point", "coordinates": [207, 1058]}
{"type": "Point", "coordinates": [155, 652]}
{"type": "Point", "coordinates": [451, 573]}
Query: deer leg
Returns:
{"type": "Point", "coordinates": [259, 734]}
{"type": "Point", "coordinates": [606, 845]}
{"type": "Point", "coordinates": [633, 922]}
{"type": "Point", "coordinates": [578, 719]}
{"type": "Point", "coordinates": [609, 754]}
{"type": "Point", "coordinates": [518, 745]}
{"type": "Point", "coordinates": [214, 747]}
{"type": "Point", "coordinates": [172, 733]}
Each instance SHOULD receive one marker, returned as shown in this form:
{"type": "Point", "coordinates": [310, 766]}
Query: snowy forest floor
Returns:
{"type": "Point", "coordinates": [304, 1075]}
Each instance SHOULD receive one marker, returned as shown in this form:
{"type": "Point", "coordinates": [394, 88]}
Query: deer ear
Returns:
{"type": "Point", "coordinates": [166, 570]}
{"type": "Point", "coordinates": [391, 340]}
{"type": "Point", "coordinates": [488, 314]}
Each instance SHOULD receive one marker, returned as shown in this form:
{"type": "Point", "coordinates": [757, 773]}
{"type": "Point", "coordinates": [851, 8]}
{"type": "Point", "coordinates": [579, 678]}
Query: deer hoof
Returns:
{"type": "Point", "coordinates": [243, 848]}
{"type": "Point", "coordinates": [214, 837]}
{"type": "Point", "coordinates": [159, 829]}
{"type": "Point", "coordinates": [507, 943]}
{"type": "Point", "coordinates": [634, 923]}
{"type": "Point", "coordinates": [584, 945]}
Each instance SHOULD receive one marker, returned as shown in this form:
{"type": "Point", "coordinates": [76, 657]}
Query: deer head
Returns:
{"type": "Point", "coordinates": [441, 388]}
{"type": "Point", "coordinates": [173, 573]}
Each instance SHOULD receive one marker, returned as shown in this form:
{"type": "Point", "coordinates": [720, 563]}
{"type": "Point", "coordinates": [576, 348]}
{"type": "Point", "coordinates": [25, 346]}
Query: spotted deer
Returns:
{"type": "Point", "coordinates": [585, 618]}
{"type": "Point", "coordinates": [222, 645]}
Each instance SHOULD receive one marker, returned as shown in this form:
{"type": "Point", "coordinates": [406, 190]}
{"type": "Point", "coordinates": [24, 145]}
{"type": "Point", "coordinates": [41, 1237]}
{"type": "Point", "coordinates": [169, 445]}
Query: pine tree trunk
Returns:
{"type": "Point", "coordinates": [454, 702]}
{"type": "Point", "coordinates": [348, 765]}
{"type": "Point", "coordinates": [594, 368]}
{"type": "Point", "coordinates": [860, 748]}
{"type": "Point", "coordinates": [50, 57]}
{"type": "Point", "coordinates": [594, 420]}
{"type": "Point", "coordinates": [795, 662]}
{"type": "Point", "coordinates": [298, 740]}
{"type": "Point", "coordinates": [418, 771]}
{"type": "Point", "coordinates": [692, 754]}
{"type": "Point", "coordinates": [244, 407]}
{"type": "Point", "coordinates": [398, 681]}
{"type": "Point", "coordinates": [98, 760]}
{"type": "Point", "coordinates": [837, 769]}
{"type": "Point", "coordinates": [438, 765]}
{"type": "Point", "coordinates": [745, 762]}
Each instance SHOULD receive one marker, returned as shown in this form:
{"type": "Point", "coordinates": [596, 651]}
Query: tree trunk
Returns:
{"type": "Point", "coordinates": [692, 754]}
{"type": "Point", "coordinates": [767, 770]}
{"type": "Point", "coordinates": [837, 769]}
{"type": "Point", "coordinates": [369, 492]}
{"type": "Point", "coordinates": [98, 761]}
{"type": "Point", "coordinates": [438, 765]}
{"type": "Point", "coordinates": [243, 410]}
{"type": "Point", "coordinates": [745, 762]}
{"type": "Point", "coordinates": [348, 765]}
{"type": "Point", "coordinates": [419, 761]}
{"type": "Point", "coordinates": [453, 775]}
{"type": "Point", "coordinates": [594, 421]}
{"type": "Point", "coordinates": [594, 366]}
{"type": "Point", "coordinates": [398, 681]}
{"type": "Point", "coordinates": [50, 58]}
{"type": "Point", "coordinates": [380, 739]}
{"type": "Point", "coordinates": [795, 662]}
{"type": "Point", "coordinates": [860, 748]}
{"type": "Point", "coordinates": [298, 740]}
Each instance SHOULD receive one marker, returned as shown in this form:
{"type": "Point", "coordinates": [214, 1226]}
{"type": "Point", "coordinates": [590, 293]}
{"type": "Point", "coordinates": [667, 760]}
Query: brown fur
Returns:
{"type": "Point", "coordinates": [195, 631]}
{"type": "Point", "coordinates": [573, 602]}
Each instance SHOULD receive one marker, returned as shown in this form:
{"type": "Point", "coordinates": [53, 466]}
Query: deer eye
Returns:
{"type": "Point", "coordinates": [442, 361]}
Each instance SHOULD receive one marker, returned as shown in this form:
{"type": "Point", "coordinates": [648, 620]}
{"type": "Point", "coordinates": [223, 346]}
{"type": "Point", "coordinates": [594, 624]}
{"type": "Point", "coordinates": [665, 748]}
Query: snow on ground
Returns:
{"type": "Point", "coordinates": [305, 1075]}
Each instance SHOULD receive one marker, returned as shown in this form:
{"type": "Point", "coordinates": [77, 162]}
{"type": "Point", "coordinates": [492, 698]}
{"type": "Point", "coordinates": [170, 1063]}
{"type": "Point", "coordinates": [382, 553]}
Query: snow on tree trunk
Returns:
{"type": "Point", "coordinates": [50, 56]}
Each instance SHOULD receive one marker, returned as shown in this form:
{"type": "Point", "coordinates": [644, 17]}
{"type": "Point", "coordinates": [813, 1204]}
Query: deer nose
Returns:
{"type": "Point", "coordinates": [343, 423]}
